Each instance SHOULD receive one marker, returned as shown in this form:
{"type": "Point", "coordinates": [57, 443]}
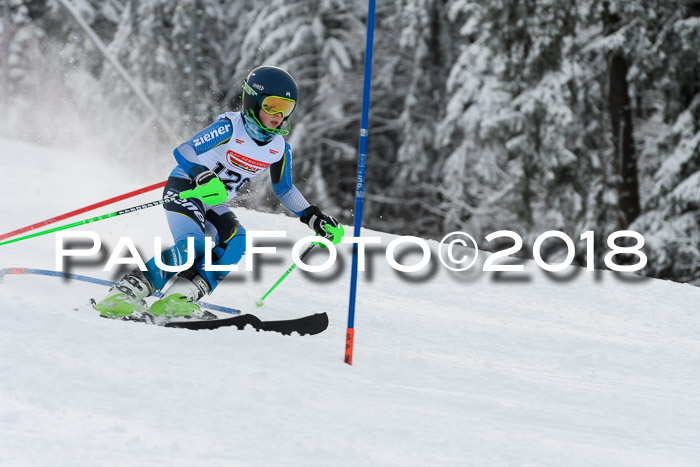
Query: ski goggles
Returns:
{"type": "Point", "coordinates": [276, 105]}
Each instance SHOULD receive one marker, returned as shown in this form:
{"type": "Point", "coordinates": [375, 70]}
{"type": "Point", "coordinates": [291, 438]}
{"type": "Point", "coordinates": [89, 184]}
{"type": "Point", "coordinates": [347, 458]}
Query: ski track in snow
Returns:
{"type": "Point", "coordinates": [453, 369]}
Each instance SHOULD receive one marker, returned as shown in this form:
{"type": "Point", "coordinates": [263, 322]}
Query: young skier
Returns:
{"type": "Point", "coordinates": [223, 157]}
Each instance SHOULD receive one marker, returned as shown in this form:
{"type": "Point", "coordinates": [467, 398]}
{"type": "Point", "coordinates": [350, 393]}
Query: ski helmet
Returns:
{"type": "Point", "coordinates": [269, 82]}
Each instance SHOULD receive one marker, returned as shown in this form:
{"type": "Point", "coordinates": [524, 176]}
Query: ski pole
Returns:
{"type": "Point", "coordinates": [337, 234]}
{"type": "Point", "coordinates": [93, 219]}
{"type": "Point", "coordinates": [210, 194]}
{"type": "Point", "coordinates": [81, 210]}
{"type": "Point", "coordinates": [259, 302]}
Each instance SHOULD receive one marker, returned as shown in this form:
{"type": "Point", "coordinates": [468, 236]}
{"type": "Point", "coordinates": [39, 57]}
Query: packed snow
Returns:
{"type": "Point", "coordinates": [470, 368]}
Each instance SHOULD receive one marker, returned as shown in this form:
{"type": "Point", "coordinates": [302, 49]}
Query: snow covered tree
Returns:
{"type": "Point", "coordinates": [512, 129]}
{"type": "Point", "coordinates": [51, 68]}
{"type": "Point", "coordinates": [412, 57]}
{"type": "Point", "coordinates": [668, 108]}
{"type": "Point", "coordinates": [554, 101]}
{"type": "Point", "coordinates": [474, 168]}
{"type": "Point", "coordinates": [20, 54]}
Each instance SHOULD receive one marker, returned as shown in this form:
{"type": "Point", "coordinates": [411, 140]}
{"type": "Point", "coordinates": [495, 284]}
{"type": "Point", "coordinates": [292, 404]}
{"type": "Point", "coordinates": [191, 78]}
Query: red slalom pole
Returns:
{"type": "Point", "coordinates": [82, 210]}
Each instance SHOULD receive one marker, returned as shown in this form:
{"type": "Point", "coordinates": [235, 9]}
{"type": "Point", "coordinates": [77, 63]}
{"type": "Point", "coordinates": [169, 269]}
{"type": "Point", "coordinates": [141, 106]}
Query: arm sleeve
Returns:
{"type": "Point", "coordinates": [281, 175]}
{"type": "Point", "coordinates": [187, 153]}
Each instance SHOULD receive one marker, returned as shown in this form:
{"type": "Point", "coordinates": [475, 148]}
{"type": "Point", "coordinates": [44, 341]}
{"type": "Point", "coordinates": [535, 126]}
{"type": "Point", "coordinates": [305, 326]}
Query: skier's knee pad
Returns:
{"type": "Point", "coordinates": [227, 253]}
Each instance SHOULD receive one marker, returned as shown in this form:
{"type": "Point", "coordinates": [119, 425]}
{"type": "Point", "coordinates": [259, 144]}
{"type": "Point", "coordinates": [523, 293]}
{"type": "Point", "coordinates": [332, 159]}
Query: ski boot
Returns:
{"type": "Point", "coordinates": [125, 300]}
{"type": "Point", "coordinates": [180, 301]}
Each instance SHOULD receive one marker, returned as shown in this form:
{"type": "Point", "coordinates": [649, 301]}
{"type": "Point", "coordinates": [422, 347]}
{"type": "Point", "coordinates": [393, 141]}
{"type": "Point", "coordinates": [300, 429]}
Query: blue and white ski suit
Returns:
{"type": "Point", "coordinates": [226, 148]}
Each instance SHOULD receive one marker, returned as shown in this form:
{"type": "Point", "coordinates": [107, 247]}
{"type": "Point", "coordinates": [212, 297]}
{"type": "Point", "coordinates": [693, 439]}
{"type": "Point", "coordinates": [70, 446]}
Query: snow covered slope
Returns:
{"type": "Point", "coordinates": [449, 369]}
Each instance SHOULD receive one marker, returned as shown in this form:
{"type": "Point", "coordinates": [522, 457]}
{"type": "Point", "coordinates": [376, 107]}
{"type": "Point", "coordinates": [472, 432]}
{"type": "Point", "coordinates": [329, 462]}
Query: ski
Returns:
{"type": "Point", "coordinates": [307, 325]}
{"type": "Point", "coordinates": [304, 326]}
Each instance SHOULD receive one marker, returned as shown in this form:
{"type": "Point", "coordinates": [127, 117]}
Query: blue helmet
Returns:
{"type": "Point", "coordinates": [269, 81]}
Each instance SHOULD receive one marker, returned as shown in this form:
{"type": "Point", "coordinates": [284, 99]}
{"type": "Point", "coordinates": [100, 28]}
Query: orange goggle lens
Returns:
{"type": "Point", "coordinates": [275, 105]}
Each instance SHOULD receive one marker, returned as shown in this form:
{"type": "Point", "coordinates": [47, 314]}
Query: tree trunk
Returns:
{"type": "Point", "coordinates": [623, 140]}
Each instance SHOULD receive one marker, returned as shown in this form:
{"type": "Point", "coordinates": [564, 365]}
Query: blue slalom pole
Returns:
{"type": "Point", "coordinates": [360, 186]}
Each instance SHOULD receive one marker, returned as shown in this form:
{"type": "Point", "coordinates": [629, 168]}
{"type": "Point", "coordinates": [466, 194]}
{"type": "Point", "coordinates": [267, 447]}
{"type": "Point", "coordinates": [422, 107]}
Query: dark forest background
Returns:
{"type": "Point", "coordinates": [522, 115]}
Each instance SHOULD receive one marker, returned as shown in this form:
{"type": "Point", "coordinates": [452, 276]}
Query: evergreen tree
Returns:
{"type": "Point", "coordinates": [419, 80]}
{"type": "Point", "coordinates": [669, 111]}
{"type": "Point", "coordinates": [513, 125]}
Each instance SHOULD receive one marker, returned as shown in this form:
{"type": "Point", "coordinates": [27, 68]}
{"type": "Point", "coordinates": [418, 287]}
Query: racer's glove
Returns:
{"type": "Point", "coordinates": [208, 188]}
{"type": "Point", "coordinates": [325, 226]}
{"type": "Point", "coordinates": [204, 177]}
